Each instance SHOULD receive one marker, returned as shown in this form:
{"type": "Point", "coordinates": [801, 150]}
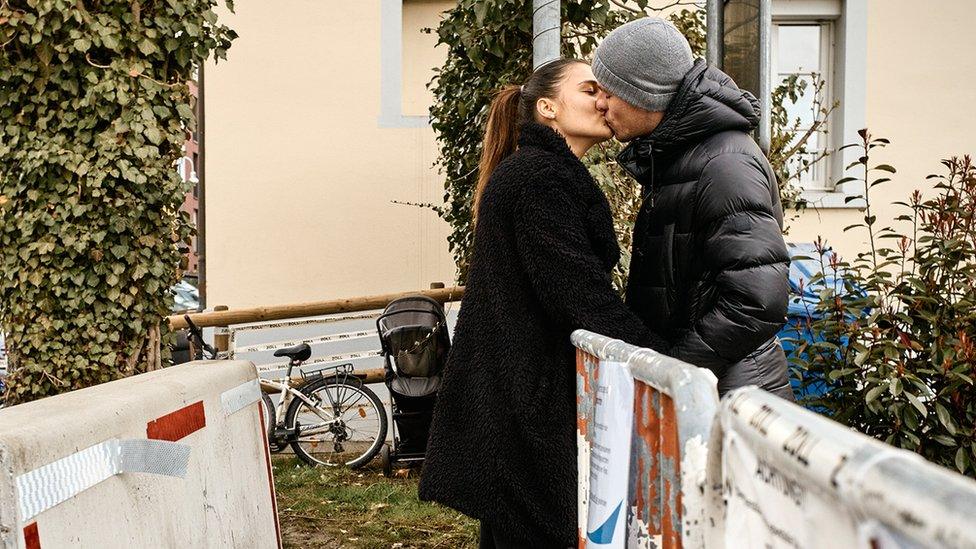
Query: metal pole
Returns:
{"type": "Point", "coordinates": [201, 168]}
{"type": "Point", "coordinates": [765, 76]}
{"type": "Point", "coordinates": [714, 32]}
{"type": "Point", "coordinates": [545, 32]}
{"type": "Point", "coordinates": [221, 334]}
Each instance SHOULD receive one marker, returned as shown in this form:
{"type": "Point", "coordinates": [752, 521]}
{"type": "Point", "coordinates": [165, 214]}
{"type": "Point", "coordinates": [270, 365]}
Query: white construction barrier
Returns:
{"type": "Point", "coordinates": [781, 476]}
{"type": "Point", "coordinates": [751, 471]}
{"type": "Point", "coordinates": [653, 412]}
{"type": "Point", "coordinates": [173, 458]}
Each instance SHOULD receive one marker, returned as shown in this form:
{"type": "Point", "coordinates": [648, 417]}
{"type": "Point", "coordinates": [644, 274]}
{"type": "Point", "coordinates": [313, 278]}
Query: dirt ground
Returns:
{"type": "Point", "coordinates": [299, 531]}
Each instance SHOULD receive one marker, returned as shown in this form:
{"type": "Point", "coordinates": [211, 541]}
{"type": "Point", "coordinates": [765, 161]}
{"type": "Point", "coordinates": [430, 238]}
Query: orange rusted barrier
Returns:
{"type": "Point", "coordinates": [663, 445]}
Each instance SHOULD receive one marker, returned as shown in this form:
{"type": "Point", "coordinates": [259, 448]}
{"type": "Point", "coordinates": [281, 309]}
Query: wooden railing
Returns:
{"type": "Point", "coordinates": [228, 317]}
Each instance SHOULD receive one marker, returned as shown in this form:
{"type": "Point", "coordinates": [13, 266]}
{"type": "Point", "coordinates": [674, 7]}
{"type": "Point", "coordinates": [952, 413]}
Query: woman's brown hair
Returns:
{"type": "Point", "coordinates": [511, 107]}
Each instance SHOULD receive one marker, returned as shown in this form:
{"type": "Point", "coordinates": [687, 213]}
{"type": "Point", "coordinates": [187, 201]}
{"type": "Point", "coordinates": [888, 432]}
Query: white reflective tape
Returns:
{"type": "Point", "coordinates": [347, 336]}
{"type": "Point", "coordinates": [323, 360]}
{"type": "Point", "coordinates": [59, 481]}
{"type": "Point", "coordinates": [240, 397]}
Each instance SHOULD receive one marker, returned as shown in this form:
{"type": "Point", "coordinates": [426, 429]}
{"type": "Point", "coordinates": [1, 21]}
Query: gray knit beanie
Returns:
{"type": "Point", "coordinates": [643, 62]}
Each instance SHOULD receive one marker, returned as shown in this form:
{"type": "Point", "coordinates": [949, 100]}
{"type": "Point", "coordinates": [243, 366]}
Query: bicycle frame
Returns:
{"type": "Point", "coordinates": [288, 393]}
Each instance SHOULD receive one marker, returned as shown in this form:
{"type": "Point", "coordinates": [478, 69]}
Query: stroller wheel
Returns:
{"type": "Point", "coordinates": [386, 461]}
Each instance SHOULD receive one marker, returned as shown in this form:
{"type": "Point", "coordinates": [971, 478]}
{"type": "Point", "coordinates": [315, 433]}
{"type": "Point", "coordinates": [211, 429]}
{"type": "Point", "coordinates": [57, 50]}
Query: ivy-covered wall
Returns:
{"type": "Point", "coordinates": [94, 107]}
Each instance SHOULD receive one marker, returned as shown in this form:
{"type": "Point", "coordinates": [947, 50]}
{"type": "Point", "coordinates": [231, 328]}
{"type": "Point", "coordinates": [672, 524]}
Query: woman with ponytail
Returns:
{"type": "Point", "coordinates": [503, 441]}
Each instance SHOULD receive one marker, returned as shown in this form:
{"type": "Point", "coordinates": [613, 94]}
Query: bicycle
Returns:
{"type": "Point", "coordinates": [325, 418]}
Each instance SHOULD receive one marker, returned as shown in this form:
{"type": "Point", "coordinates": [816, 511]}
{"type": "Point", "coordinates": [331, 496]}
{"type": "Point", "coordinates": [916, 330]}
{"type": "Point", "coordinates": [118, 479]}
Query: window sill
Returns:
{"type": "Point", "coordinates": [831, 200]}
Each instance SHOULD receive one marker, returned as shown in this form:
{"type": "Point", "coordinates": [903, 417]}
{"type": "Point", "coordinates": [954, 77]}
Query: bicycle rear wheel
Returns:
{"type": "Point", "coordinates": [269, 413]}
{"type": "Point", "coordinates": [344, 423]}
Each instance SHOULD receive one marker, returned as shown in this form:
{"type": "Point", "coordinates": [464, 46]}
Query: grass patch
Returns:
{"type": "Point", "coordinates": [337, 507]}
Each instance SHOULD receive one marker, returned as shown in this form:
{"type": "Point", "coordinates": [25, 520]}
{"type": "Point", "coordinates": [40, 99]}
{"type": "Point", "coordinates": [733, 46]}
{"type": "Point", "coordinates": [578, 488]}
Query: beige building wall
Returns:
{"type": "Point", "coordinates": [921, 94]}
{"type": "Point", "coordinates": [314, 127]}
{"type": "Point", "coordinates": [300, 175]}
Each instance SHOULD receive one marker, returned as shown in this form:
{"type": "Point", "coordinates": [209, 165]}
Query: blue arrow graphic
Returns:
{"type": "Point", "coordinates": [604, 534]}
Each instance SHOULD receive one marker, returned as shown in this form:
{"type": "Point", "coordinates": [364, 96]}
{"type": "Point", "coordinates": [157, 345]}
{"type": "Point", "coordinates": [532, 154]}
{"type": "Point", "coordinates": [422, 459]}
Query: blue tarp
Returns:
{"type": "Point", "coordinates": [805, 264]}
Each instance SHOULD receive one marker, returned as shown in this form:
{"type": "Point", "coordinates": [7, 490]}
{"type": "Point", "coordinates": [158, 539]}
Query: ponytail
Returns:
{"type": "Point", "coordinates": [511, 107]}
{"type": "Point", "coordinates": [501, 137]}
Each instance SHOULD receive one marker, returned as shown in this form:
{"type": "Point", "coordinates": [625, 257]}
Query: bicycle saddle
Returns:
{"type": "Point", "coordinates": [298, 352]}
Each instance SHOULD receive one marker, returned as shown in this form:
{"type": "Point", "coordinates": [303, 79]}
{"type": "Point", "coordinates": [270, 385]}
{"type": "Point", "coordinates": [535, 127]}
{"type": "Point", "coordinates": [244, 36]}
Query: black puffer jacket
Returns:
{"type": "Point", "coordinates": [709, 265]}
{"type": "Point", "coordinates": [503, 442]}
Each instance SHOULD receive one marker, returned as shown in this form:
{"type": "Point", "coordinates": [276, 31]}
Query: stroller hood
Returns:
{"type": "Point", "coordinates": [414, 334]}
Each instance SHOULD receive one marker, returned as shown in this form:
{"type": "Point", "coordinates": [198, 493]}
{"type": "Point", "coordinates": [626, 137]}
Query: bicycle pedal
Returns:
{"type": "Point", "coordinates": [276, 446]}
{"type": "Point", "coordinates": [285, 434]}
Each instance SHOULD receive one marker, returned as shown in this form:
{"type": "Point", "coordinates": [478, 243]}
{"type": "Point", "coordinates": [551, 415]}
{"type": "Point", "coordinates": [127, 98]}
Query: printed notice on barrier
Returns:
{"type": "Point", "coordinates": [610, 456]}
{"type": "Point", "coordinates": [770, 507]}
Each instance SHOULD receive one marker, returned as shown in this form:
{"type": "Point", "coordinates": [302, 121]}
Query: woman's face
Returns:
{"type": "Point", "coordinates": [574, 112]}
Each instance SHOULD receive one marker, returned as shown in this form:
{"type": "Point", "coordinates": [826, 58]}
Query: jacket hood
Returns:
{"type": "Point", "coordinates": [708, 102]}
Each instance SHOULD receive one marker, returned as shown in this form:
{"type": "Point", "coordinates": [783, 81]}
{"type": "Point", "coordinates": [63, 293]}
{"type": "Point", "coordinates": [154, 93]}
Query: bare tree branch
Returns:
{"type": "Point", "coordinates": [626, 7]}
{"type": "Point", "coordinates": [94, 64]}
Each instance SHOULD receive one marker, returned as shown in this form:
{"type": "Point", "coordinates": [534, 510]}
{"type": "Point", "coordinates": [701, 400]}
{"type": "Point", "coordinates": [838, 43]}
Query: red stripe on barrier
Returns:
{"type": "Point", "coordinates": [267, 460]}
{"type": "Point", "coordinates": [32, 539]}
{"type": "Point", "coordinates": [178, 424]}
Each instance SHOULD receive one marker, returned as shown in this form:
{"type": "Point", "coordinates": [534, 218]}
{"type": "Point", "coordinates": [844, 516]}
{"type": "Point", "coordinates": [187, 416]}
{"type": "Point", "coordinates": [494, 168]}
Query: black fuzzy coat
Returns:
{"type": "Point", "coordinates": [503, 442]}
{"type": "Point", "coordinates": [709, 268]}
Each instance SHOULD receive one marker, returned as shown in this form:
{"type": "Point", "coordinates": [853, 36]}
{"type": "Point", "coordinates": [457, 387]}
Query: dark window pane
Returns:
{"type": "Point", "coordinates": [741, 60]}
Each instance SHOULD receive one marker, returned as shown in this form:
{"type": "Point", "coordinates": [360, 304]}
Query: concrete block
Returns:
{"type": "Point", "coordinates": [172, 458]}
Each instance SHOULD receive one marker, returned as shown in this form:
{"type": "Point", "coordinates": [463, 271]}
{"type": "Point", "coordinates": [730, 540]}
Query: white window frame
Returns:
{"type": "Point", "coordinates": [847, 85]}
{"type": "Point", "coordinates": [391, 70]}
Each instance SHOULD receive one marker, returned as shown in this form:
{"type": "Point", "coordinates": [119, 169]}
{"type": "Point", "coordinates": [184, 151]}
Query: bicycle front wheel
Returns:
{"type": "Point", "coordinates": [339, 423]}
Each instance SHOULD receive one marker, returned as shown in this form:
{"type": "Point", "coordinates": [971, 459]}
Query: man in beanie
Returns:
{"type": "Point", "coordinates": [709, 266]}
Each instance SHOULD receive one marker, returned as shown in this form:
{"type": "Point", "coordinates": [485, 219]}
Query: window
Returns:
{"type": "Point", "coordinates": [827, 38]}
{"type": "Point", "coordinates": [804, 50]}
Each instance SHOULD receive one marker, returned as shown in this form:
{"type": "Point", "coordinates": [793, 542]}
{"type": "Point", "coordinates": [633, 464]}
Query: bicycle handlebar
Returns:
{"type": "Point", "coordinates": [196, 335]}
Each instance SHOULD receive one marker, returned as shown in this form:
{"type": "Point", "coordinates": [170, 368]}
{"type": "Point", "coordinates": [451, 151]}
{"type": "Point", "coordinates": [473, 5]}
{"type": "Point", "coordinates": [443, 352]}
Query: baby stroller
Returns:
{"type": "Point", "coordinates": [414, 334]}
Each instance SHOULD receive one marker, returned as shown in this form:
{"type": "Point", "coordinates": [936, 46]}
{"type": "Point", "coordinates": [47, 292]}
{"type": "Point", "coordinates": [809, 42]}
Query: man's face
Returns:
{"type": "Point", "coordinates": [626, 120]}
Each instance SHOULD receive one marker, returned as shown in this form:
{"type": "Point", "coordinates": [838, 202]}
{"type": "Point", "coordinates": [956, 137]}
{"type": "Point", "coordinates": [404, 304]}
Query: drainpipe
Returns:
{"type": "Point", "coordinates": [765, 73]}
{"type": "Point", "coordinates": [715, 32]}
{"type": "Point", "coordinates": [545, 32]}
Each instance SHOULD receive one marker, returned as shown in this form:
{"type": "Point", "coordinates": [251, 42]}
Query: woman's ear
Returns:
{"type": "Point", "coordinates": [546, 108]}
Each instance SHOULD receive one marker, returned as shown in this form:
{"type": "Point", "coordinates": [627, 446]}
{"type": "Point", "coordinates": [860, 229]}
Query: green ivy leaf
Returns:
{"type": "Point", "coordinates": [82, 44]}
{"type": "Point", "coordinates": [154, 136]}
{"type": "Point", "coordinates": [147, 47]}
